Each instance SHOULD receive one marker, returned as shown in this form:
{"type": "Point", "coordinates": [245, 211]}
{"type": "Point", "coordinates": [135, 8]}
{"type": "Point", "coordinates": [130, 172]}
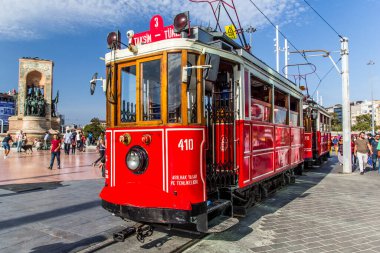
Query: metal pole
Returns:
{"type": "Point", "coordinates": [277, 52]}
{"type": "Point", "coordinates": [286, 57]}
{"type": "Point", "coordinates": [2, 126]}
{"type": "Point", "coordinates": [373, 107]}
{"type": "Point", "coordinates": [347, 166]}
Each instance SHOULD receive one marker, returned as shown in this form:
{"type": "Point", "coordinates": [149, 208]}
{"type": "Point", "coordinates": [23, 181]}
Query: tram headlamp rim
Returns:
{"type": "Point", "coordinates": [137, 159]}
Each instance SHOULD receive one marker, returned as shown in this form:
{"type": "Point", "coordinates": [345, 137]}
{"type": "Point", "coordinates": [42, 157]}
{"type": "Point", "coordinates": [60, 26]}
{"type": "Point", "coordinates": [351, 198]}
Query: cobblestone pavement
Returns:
{"type": "Point", "coordinates": [325, 211]}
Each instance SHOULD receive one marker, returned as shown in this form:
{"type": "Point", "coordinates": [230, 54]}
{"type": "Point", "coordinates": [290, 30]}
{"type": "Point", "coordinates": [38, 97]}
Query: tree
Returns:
{"type": "Point", "coordinates": [94, 127]}
{"type": "Point", "coordinates": [336, 125]}
{"type": "Point", "coordinates": [363, 123]}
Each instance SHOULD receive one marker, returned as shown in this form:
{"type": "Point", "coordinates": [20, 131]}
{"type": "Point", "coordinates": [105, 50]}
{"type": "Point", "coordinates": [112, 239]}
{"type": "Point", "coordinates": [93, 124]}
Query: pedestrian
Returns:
{"type": "Point", "coordinates": [24, 139]}
{"type": "Point", "coordinates": [362, 147]}
{"type": "Point", "coordinates": [340, 150]}
{"type": "Point", "coordinates": [102, 151]}
{"type": "Point", "coordinates": [78, 140]}
{"type": "Point", "coordinates": [73, 138]}
{"type": "Point", "coordinates": [83, 143]}
{"type": "Point", "coordinates": [55, 152]}
{"type": "Point", "coordinates": [90, 138]}
{"type": "Point", "coordinates": [335, 143]}
{"type": "Point", "coordinates": [19, 141]}
{"type": "Point", "coordinates": [375, 143]}
{"type": "Point", "coordinates": [353, 156]}
{"type": "Point", "coordinates": [6, 146]}
{"type": "Point", "coordinates": [46, 139]}
{"type": "Point", "coordinates": [67, 141]}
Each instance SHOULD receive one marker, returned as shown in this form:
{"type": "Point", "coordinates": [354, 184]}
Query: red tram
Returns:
{"type": "Point", "coordinates": [196, 126]}
{"type": "Point", "coordinates": [317, 124]}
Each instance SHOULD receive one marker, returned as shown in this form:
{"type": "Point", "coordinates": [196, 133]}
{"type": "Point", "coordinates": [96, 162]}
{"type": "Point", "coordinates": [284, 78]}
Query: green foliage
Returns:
{"type": "Point", "coordinates": [363, 123]}
{"type": "Point", "coordinates": [94, 127]}
{"type": "Point", "coordinates": [336, 125]}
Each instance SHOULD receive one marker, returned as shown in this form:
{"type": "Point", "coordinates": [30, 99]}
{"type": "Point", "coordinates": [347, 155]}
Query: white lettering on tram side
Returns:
{"type": "Point", "coordinates": [169, 34]}
{"type": "Point", "coordinates": [186, 144]}
{"type": "Point", "coordinates": [184, 180]}
{"type": "Point", "coordinates": [145, 39]}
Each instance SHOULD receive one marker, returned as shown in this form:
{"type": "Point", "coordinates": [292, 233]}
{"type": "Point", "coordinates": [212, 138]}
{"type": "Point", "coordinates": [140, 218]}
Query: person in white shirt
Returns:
{"type": "Point", "coordinates": [46, 138]}
{"type": "Point", "coordinates": [19, 141]}
{"type": "Point", "coordinates": [67, 141]}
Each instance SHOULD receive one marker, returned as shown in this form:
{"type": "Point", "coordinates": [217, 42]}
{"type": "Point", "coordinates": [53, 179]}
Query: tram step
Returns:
{"type": "Point", "coordinates": [221, 223]}
{"type": "Point", "coordinates": [220, 204]}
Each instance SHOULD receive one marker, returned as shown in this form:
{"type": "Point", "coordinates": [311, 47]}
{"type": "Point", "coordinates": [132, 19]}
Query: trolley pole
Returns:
{"type": "Point", "coordinates": [347, 166]}
{"type": "Point", "coordinates": [286, 50]}
{"type": "Point", "coordinates": [277, 45]}
{"type": "Point", "coordinates": [370, 63]}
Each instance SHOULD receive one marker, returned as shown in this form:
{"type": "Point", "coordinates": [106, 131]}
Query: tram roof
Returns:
{"type": "Point", "coordinates": [203, 40]}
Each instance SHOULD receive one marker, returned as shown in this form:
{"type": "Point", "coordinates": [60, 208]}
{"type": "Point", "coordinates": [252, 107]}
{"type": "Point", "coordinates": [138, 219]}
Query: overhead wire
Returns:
{"type": "Point", "coordinates": [283, 35]}
{"type": "Point", "coordinates": [340, 36]}
{"type": "Point", "coordinates": [328, 72]}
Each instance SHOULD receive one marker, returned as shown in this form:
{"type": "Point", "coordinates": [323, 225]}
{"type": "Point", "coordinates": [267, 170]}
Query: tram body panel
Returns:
{"type": "Point", "coordinates": [175, 174]}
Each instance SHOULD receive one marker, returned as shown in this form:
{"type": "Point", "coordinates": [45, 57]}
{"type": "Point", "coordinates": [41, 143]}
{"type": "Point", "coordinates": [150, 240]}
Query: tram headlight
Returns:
{"type": "Point", "coordinates": [137, 160]}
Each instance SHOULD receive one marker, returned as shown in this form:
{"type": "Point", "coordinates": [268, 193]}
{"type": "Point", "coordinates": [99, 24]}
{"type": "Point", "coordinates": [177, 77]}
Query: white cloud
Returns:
{"type": "Point", "coordinates": [33, 19]}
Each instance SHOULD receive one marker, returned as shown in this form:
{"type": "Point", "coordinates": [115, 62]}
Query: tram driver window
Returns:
{"type": "Point", "coordinates": [280, 110]}
{"type": "Point", "coordinates": [192, 90]}
{"type": "Point", "coordinates": [151, 90]}
{"type": "Point", "coordinates": [128, 94]}
{"type": "Point", "coordinates": [174, 87]}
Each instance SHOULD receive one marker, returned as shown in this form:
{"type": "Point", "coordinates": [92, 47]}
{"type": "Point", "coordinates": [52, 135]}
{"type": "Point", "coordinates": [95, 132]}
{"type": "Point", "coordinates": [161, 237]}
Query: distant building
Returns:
{"type": "Point", "coordinates": [365, 107]}
{"type": "Point", "coordinates": [337, 109]}
{"type": "Point", "coordinates": [7, 109]}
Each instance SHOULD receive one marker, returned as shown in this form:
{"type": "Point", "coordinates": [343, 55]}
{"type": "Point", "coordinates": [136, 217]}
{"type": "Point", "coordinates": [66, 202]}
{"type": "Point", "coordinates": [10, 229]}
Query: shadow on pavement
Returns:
{"type": "Point", "coordinates": [277, 200]}
{"type": "Point", "coordinates": [46, 215]}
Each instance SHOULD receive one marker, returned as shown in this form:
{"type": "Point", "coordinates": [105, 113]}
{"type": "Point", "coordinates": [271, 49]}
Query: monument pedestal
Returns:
{"type": "Point", "coordinates": [33, 126]}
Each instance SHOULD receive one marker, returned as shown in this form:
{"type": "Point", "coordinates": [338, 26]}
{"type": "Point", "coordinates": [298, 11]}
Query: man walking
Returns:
{"type": "Point", "coordinates": [67, 141]}
{"type": "Point", "coordinates": [55, 152]}
{"type": "Point", "coordinates": [6, 146]}
{"type": "Point", "coordinates": [374, 144]}
{"type": "Point", "coordinates": [46, 139]}
{"type": "Point", "coordinates": [362, 147]}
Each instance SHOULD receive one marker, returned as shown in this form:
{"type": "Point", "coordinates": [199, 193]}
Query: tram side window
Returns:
{"type": "Point", "coordinates": [280, 109]}
{"type": "Point", "coordinates": [174, 87]}
{"type": "Point", "coordinates": [151, 90]}
{"type": "Point", "coordinates": [192, 89]}
{"type": "Point", "coordinates": [294, 111]}
{"type": "Point", "coordinates": [128, 94]}
{"type": "Point", "coordinates": [260, 100]}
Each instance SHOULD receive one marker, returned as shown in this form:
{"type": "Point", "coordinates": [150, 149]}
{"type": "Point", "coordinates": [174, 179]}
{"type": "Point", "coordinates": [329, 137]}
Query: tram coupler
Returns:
{"type": "Point", "coordinates": [123, 234]}
{"type": "Point", "coordinates": [144, 231]}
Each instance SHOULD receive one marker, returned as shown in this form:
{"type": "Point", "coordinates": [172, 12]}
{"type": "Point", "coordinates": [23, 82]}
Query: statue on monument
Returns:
{"type": "Point", "coordinates": [35, 103]}
{"type": "Point", "coordinates": [54, 103]}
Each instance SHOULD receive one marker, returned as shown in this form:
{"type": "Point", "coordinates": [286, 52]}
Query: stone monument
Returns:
{"type": "Point", "coordinates": [36, 108]}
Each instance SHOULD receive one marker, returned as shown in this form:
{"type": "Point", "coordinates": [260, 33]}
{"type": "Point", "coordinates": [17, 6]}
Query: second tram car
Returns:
{"type": "Point", "coordinates": [196, 126]}
{"type": "Point", "coordinates": [317, 124]}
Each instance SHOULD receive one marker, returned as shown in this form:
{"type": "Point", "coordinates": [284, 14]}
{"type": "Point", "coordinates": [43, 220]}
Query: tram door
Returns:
{"type": "Point", "coordinates": [219, 108]}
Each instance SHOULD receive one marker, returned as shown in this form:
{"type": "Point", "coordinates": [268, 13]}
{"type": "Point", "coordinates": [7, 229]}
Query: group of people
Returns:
{"type": "Point", "coordinates": [73, 140]}
{"type": "Point", "coordinates": [365, 149]}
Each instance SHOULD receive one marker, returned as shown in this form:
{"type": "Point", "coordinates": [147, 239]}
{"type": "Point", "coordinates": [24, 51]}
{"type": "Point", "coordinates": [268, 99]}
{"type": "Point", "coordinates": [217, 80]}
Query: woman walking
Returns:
{"type": "Point", "coordinates": [102, 151]}
{"type": "Point", "coordinates": [6, 146]}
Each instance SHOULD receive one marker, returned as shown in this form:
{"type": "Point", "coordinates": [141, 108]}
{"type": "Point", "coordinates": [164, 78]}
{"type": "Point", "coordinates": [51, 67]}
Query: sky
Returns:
{"type": "Point", "coordinates": [73, 33]}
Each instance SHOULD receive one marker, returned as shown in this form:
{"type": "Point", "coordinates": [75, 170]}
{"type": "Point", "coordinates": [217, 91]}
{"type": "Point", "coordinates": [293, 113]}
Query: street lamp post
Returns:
{"type": "Point", "coordinates": [370, 63]}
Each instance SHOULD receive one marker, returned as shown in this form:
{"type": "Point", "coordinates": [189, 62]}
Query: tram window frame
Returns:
{"type": "Point", "coordinates": [120, 92]}
{"type": "Point", "coordinates": [150, 108]}
{"type": "Point", "coordinates": [260, 99]}
{"type": "Point", "coordinates": [284, 101]}
{"type": "Point", "coordinates": [193, 80]}
{"type": "Point", "coordinates": [294, 103]}
{"type": "Point", "coordinates": [179, 116]}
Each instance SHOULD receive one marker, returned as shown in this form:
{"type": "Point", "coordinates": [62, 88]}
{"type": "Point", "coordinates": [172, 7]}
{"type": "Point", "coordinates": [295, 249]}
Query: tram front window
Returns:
{"type": "Point", "coordinates": [151, 90]}
{"type": "Point", "coordinates": [128, 94]}
{"type": "Point", "coordinates": [174, 88]}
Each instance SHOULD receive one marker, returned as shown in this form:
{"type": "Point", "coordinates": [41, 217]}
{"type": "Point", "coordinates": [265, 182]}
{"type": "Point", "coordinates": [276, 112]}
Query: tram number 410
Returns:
{"type": "Point", "coordinates": [186, 144]}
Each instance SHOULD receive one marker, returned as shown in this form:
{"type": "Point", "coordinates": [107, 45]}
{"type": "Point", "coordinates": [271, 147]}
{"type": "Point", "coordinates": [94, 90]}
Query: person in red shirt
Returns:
{"type": "Point", "coordinates": [55, 152]}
